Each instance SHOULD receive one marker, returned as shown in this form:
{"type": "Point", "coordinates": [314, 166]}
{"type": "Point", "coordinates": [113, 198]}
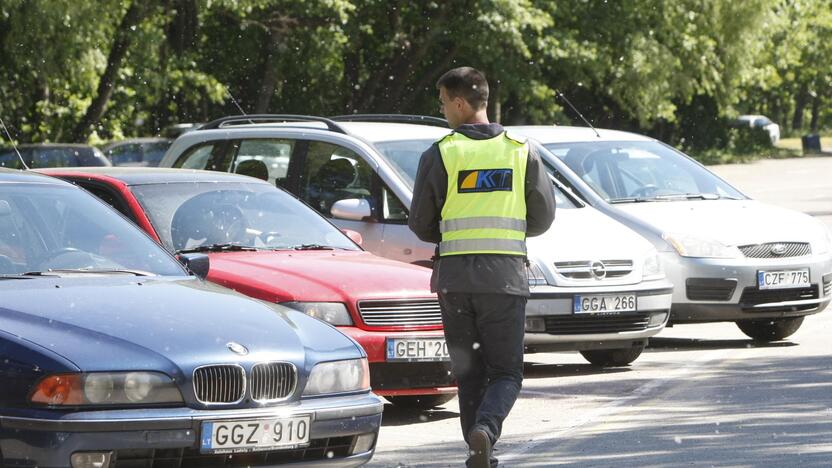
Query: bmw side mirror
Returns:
{"type": "Point", "coordinates": [352, 209]}
{"type": "Point", "coordinates": [196, 263]}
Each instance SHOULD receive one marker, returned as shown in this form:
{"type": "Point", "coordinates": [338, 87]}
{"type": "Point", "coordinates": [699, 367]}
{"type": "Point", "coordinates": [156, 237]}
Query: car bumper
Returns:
{"type": "Point", "coordinates": [551, 307]}
{"type": "Point", "coordinates": [399, 378]}
{"type": "Point", "coordinates": [173, 435]}
{"type": "Point", "coordinates": [714, 290]}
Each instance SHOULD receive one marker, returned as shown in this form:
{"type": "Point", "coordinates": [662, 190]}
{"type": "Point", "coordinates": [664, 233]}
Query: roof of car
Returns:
{"type": "Point", "coordinates": [386, 131]}
{"type": "Point", "coordinates": [154, 175]}
{"type": "Point", "coordinates": [557, 134]}
{"type": "Point", "coordinates": [53, 145]}
{"type": "Point", "coordinates": [18, 176]}
{"type": "Point", "coordinates": [130, 141]}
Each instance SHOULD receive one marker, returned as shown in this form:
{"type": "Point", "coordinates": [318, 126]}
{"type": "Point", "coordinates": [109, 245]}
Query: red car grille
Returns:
{"type": "Point", "coordinates": [400, 312]}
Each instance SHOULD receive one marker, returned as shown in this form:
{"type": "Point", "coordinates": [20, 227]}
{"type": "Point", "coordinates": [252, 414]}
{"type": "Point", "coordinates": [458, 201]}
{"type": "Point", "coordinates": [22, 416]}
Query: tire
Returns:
{"type": "Point", "coordinates": [770, 329]}
{"type": "Point", "coordinates": [421, 402]}
{"type": "Point", "coordinates": [613, 357]}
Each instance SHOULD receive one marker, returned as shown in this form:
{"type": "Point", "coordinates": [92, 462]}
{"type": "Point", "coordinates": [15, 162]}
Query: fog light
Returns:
{"type": "Point", "coordinates": [657, 319]}
{"type": "Point", "coordinates": [363, 443]}
{"type": "Point", "coordinates": [90, 459]}
{"type": "Point", "coordinates": [535, 324]}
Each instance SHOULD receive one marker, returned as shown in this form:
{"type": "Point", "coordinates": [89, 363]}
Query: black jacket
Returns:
{"type": "Point", "coordinates": [490, 273]}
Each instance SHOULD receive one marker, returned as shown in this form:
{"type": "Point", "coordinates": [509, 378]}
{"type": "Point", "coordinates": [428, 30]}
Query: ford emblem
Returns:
{"type": "Point", "coordinates": [237, 348]}
{"type": "Point", "coordinates": [599, 270]}
{"type": "Point", "coordinates": [778, 249]}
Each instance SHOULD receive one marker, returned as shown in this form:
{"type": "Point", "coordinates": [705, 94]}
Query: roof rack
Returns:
{"type": "Point", "coordinates": [393, 118]}
{"type": "Point", "coordinates": [250, 119]}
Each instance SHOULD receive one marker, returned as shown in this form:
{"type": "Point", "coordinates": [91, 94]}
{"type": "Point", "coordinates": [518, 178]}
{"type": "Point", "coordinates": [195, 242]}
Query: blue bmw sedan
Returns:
{"type": "Point", "coordinates": [112, 355]}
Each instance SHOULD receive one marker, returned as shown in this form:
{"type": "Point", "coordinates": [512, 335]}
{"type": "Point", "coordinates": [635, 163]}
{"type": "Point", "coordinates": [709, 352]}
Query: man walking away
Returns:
{"type": "Point", "coordinates": [479, 192]}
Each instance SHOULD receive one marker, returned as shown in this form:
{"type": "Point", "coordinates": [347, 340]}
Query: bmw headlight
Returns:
{"type": "Point", "coordinates": [692, 246]}
{"type": "Point", "coordinates": [652, 268]}
{"type": "Point", "coordinates": [535, 275]}
{"type": "Point", "coordinates": [334, 313]}
{"type": "Point", "coordinates": [352, 375]}
{"type": "Point", "coordinates": [106, 389]}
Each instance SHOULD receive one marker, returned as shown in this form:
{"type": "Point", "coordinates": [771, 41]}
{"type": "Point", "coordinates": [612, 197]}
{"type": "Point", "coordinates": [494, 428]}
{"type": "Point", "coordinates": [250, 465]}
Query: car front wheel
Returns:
{"type": "Point", "coordinates": [770, 329]}
{"type": "Point", "coordinates": [421, 402]}
{"type": "Point", "coordinates": [613, 357]}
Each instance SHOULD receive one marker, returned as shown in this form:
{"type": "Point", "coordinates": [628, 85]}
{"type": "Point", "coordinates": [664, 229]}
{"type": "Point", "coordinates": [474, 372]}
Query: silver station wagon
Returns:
{"type": "Point", "coordinates": [597, 286]}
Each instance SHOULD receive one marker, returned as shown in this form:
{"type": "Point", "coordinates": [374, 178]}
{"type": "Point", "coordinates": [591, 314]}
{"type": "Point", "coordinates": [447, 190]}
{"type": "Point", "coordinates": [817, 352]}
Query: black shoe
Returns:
{"type": "Point", "coordinates": [479, 447]}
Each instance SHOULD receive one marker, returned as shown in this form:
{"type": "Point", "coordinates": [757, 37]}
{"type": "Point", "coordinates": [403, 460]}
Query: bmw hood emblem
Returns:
{"type": "Point", "coordinates": [237, 348]}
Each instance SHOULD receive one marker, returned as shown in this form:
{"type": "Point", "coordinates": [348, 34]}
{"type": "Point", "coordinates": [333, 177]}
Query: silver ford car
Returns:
{"type": "Point", "coordinates": [597, 286]}
{"type": "Point", "coordinates": [730, 258]}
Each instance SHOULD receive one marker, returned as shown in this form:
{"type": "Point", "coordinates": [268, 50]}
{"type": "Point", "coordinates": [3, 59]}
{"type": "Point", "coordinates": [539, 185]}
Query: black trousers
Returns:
{"type": "Point", "coordinates": [484, 333]}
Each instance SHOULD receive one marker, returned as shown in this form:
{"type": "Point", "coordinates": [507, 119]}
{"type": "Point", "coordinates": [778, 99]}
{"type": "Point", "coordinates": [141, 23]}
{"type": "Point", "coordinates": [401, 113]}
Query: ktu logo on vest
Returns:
{"type": "Point", "coordinates": [485, 180]}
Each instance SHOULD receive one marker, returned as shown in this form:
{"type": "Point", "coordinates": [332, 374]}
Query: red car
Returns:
{"type": "Point", "coordinates": [265, 243]}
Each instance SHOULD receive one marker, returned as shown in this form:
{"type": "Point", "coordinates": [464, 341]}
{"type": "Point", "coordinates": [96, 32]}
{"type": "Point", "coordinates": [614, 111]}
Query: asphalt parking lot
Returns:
{"type": "Point", "coordinates": [700, 395]}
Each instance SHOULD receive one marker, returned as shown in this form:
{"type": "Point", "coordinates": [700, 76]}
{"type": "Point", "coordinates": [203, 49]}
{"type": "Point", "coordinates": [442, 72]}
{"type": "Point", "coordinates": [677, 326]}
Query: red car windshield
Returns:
{"type": "Point", "coordinates": [190, 215]}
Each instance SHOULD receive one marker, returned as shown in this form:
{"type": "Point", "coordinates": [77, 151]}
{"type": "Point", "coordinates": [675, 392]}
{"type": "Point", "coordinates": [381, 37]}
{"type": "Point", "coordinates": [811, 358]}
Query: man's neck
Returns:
{"type": "Point", "coordinates": [480, 118]}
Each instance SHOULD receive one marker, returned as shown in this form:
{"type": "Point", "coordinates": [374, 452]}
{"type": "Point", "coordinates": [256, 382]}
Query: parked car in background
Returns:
{"type": "Point", "coordinates": [730, 258]}
{"type": "Point", "coordinates": [52, 155]}
{"type": "Point", "coordinates": [137, 151]}
{"type": "Point", "coordinates": [603, 295]}
{"type": "Point", "coordinates": [112, 355]}
{"type": "Point", "coordinates": [265, 243]}
{"type": "Point", "coordinates": [760, 121]}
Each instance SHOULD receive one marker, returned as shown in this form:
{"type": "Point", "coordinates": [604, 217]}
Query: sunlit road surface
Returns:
{"type": "Point", "coordinates": [701, 395]}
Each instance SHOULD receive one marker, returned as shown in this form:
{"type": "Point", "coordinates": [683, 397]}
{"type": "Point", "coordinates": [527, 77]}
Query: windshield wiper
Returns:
{"type": "Point", "coordinates": [83, 271]}
{"type": "Point", "coordinates": [218, 248]}
{"type": "Point", "coordinates": [312, 247]}
{"type": "Point", "coordinates": [672, 197]}
{"type": "Point", "coordinates": [634, 200]}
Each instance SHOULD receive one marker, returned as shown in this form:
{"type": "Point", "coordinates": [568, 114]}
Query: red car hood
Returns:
{"type": "Point", "coordinates": [318, 276]}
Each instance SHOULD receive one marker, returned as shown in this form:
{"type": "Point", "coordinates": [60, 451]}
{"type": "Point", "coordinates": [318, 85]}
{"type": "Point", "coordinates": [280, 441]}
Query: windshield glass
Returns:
{"type": "Point", "coordinates": [47, 227]}
{"type": "Point", "coordinates": [51, 156]}
{"type": "Point", "coordinates": [404, 156]}
{"type": "Point", "coordinates": [191, 215]}
{"type": "Point", "coordinates": [629, 171]}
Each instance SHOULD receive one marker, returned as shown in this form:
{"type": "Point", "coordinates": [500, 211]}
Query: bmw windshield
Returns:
{"type": "Point", "coordinates": [234, 216]}
{"type": "Point", "coordinates": [61, 230]}
{"type": "Point", "coordinates": [638, 171]}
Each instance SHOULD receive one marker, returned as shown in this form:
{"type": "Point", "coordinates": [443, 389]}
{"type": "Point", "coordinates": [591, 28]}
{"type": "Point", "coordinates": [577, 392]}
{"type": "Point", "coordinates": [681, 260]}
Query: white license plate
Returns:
{"type": "Point", "coordinates": [417, 349]}
{"type": "Point", "coordinates": [604, 303]}
{"type": "Point", "coordinates": [783, 279]}
{"type": "Point", "coordinates": [254, 435]}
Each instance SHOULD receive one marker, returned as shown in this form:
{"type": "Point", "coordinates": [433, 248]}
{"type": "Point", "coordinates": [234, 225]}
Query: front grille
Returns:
{"type": "Point", "coordinates": [272, 381]}
{"type": "Point", "coordinates": [400, 375]}
{"type": "Point", "coordinates": [827, 285]}
{"type": "Point", "coordinates": [219, 384]}
{"type": "Point", "coordinates": [791, 249]}
{"type": "Point", "coordinates": [400, 312]}
{"type": "Point", "coordinates": [331, 448]}
{"type": "Point", "coordinates": [710, 289]}
{"type": "Point", "coordinates": [588, 324]}
{"type": "Point", "coordinates": [584, 269]}
{"type": "Point", "coordinates": [753, 296]}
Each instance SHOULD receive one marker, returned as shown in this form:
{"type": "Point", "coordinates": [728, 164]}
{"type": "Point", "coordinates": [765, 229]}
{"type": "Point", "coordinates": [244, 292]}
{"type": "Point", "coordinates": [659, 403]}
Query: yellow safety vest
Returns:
{"type": "Point", "coordinates": [485, 208]}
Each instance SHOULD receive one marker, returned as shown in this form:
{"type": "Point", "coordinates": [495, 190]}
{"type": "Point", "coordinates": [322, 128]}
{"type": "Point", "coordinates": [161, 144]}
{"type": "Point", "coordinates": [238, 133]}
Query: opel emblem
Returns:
{"type": "Point", "coordinates": [237, 348]}
{"type": "Point", "coordinates": [778, 249]}
{"type": "Point", "coordinates": [599, 270]}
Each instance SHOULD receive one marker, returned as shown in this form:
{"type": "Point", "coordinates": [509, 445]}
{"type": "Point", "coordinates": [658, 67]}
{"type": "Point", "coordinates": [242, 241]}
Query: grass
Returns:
{"type": "Point", "coordinates": [796, 144]}
{"type": "Point", "coordinates": [721, 156]}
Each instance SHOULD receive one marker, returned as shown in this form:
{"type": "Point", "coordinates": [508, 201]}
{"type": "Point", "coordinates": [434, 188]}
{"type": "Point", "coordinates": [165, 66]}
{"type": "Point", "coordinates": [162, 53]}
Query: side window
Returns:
{"type": "Point", "coordinates": [197, 157]}
{"type": "Point", "coordinates": [109, 198]}
{"type": "Point", "coordinates": [393, 209]}
{"type": "Point", "coordinates": [269, 159]}
{"type": "Point", "coordinates": [125, 154]}
{"type": "Point", "coordinates": [334, 173]}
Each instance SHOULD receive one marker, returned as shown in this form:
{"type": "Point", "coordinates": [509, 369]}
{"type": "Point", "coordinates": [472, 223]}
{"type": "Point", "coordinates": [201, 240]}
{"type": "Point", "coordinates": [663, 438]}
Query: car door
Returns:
{"type": "Point", "coordinates": [330, 174]}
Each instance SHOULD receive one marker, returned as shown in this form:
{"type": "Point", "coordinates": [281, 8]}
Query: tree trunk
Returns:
{"type": "Point", "coordinates": [107, 82]}
{"type": "Point", "coordinates": [269, 80]}
{"type": "Point", "coordinates": [800, 102]}
{"type": "Point", "coordinates": [815, 113]}
{"type": "Point", "coordinates": [496, 103]}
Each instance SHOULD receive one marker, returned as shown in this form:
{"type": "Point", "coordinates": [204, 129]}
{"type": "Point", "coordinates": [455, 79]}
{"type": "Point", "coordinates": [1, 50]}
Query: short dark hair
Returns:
{"type": "Point", "coordinates": [467, 83]}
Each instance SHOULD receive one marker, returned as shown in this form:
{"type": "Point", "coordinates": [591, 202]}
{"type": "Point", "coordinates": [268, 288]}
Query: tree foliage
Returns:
{"type": "Point", "coordinates": [88, 70]}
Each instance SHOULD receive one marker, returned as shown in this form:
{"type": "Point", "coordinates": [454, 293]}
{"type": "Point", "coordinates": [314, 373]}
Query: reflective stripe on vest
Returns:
{"type": "Point", "coordinates": [485, 207]}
